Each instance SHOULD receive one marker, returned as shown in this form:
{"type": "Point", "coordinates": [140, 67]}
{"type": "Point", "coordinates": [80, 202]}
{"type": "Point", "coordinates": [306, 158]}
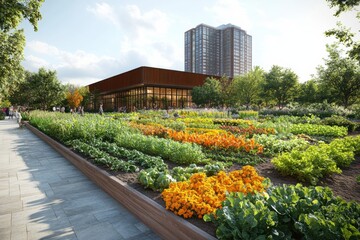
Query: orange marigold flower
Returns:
{"type": "Point", "coordinates": [202, 195]}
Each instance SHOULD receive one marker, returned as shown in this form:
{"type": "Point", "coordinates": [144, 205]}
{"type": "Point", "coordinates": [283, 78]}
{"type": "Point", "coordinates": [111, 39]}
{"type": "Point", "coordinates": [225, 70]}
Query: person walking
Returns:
{"type": "Point", "coordinates": [101, 110]}
{"type": "Point", "coordinates": [11, 112]}
{"type": "Point", "coordinates": [7, 111]}
{"type": "Point", "coordinates": [18, 117]}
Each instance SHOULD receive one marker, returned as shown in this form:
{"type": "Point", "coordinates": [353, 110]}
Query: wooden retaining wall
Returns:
{"type": "Point", "coordinates": [166, 224]}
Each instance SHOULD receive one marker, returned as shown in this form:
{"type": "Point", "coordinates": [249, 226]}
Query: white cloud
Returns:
{"type": "Point", "coordinates": [144, 35]}
{"type": "Point", "coordinates": [153, 21]}
{"type": "Point", "coordinates": [33, 63]}
{"type": "Point", "coordinates": [104, 10]}
{"type": "Point", "coordinates": [131, 20]}
{"type": "Point", "coordinates": [79, 66]}
{"type": "Point", "coordinates": [293, 42]}
{"type": "Point", "coordinates": [83, 68]}
{"type": "Point", "coordinates": [41, 47]}
{"type": "Point", "coordinates": [230, 11]}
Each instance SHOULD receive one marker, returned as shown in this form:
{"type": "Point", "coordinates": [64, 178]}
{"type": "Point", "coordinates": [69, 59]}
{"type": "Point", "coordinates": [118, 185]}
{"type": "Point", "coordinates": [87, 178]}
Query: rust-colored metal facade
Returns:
{"type": "Point", "coordinates": [146, 87]}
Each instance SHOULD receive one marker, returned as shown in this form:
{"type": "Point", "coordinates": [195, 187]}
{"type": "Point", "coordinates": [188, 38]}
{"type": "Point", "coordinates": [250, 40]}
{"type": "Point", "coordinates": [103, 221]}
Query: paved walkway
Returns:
{"type": "Point", "coordinates": [43, 196]}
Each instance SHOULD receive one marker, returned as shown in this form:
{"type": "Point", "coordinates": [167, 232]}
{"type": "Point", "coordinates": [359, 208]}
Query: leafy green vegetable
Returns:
{"type": "Point", "coordinates": [287, 212]}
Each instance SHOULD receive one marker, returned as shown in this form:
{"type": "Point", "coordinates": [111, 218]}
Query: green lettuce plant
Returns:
{"type": "Point", "coordinates": [287, 212]}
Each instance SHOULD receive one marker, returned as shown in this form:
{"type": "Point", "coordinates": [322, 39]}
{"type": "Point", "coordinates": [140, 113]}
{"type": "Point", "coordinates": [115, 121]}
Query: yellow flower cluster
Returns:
{"type": "Point", "coordinates": [197, 120]}
{"type": "Point", "coordinates": [206, 130]}
{"type": "Point", "coordinates": [203, 195]}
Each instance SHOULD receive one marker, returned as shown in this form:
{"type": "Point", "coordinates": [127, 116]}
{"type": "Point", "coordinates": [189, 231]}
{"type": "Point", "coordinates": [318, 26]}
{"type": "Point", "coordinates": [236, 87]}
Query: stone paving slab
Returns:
{"type": "Point", "coordinates": [43, 196]}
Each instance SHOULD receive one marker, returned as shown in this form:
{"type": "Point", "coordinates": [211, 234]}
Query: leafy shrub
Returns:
{"type": "Point", "coordinates": [339, 121]}
{"type": "Point", "coordinates": [273, 144]}
{"type": "Point", "coordinates": [25, 116]}
{"type": "Point", "coordinates": [65, 127]}
{"type": "Point", "coordinates": [241, 158]}
{"type": "Point", "coordinates": [318, 130]}
{"type": "Point", "coordinates": [180, 153]}
{"type": "Point", "coordinates": [281, 127]}
{"type": "Point", "coordinates": [154, 179]}
{"type": "Point", "coordinates": [248, 114]}
{"type": "Point", "coordinates": [356, 109]}
{"type": "Point", "coordinates": [298, 119]}
{"type": "Point", "coordinates": [207, 113]}
{"type": "Point", "coordinates": [287, 212]}
{"type": "Point", "coordinates": [320, 110]}
{"type": "Point", "coordinates": [103, 158]}
{"type": "Point", "coordinates": [355, 143]}
{"type": "Point", "coordinates": [248, 131]}
{"type": "Point", "coordinates": [133, 156]}
{"type": "Point", "coordinates": [318, 161]}
{"type": "Point", "coordinates": [175, 125]}
{"type": "Point", "coordinates": [342, 151]}
{"type": "Point", "coordinates": [232, 122]}
{"type": "Point", "coordinates": [159, 180]}
{"type": "Point", "coordinates": [158, 122]}
{"type": "Point", "coordinates": [308, 165]}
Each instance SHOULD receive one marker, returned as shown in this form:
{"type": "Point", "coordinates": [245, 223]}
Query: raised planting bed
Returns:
{"type": "Point", "coordinates": [166, 224]}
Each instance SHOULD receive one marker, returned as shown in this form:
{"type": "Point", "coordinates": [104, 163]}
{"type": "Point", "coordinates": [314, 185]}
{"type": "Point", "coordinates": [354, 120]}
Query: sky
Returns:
{"type": "Point", "coordinates": [86, 41]}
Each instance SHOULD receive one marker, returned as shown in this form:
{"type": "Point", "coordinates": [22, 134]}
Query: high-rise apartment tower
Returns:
{"type": "Point", "coordinates": [225, 50]}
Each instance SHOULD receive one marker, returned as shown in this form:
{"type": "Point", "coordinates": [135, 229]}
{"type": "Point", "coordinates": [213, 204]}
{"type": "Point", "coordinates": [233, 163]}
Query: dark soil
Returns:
{"type": "Point", "coordinates": [343, 185]}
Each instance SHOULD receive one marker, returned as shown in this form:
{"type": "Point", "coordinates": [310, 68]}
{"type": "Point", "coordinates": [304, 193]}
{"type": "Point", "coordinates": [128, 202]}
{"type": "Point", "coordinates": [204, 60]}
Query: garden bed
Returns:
{"type": "Point", "coordinates": [166, 224]}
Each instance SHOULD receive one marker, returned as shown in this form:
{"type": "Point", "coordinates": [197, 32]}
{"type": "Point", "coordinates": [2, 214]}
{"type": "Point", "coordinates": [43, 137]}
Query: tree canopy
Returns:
{"type": "Point", "coordinates": [340, 76]}
{"type": "Point", "coordinates": [246, 89]}
{"type": "Point", "coordinates": [12, 39]}
{"type": "Point", "coordinates": [343, 5]}
{"type": "Point", "coordinates": [39, 90]}
{"type": "Point", "coordinates": [209, 94]}
{"type": "Point", "coordinates": [343, 34]}
{"type": "Point", "coordinates": [308, 92]}
{"type": "Point", "coordinates": [281, 85]}
{"type": "Point", "coordinates": [11, 54]}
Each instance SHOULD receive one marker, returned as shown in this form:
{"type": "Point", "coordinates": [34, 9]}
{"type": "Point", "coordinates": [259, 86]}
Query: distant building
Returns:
{"type": "Point", "coordinates": [225, 50]}
{"type": "Point", "coordinates": [145, 88]}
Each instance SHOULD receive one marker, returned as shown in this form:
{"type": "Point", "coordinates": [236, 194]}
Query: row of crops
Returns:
{"type": "Point", "coordinates": [203, 147]}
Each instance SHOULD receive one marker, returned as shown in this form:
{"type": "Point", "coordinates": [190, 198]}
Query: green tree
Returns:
{"type": "Point", "coordinates": [225, 98]}
{"type": "Point", "coordinates": [245, 90]}
{"type": "Point", "coordinates": [84, 91]}
{"type": "Point", "coordinates": [20, 95]}
{"type": "Point", "coordinates": [11, 55]}
{"type": "Point", "coordinates": [343, 34]}
{"type": "Point", "coordinates": [208, 95]}
{"type": "Point", "coordinates": [308, 92]}
{"type": "Point", "coordinates": [343, 5]}
{"type": "Point", "coordinates": [280, 85]}
{"type": "Point", "coordinates": [39, 90]}
{"type": "Point", "coordinates": [340, 76]}
{"type": "Point", "coordinates": [12, 40]}
{"type": "Point", "coordinates": [12, 12]}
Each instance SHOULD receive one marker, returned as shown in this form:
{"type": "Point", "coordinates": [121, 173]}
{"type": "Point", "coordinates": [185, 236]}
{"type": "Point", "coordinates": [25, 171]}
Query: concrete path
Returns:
{"type": "Point", "coordinates": [43, 196]}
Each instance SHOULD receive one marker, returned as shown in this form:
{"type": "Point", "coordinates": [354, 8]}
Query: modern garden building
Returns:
{"type": "Point", "coordinates": [146, 88]}
{"type": "Point", "coordinates": [225, 50]}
